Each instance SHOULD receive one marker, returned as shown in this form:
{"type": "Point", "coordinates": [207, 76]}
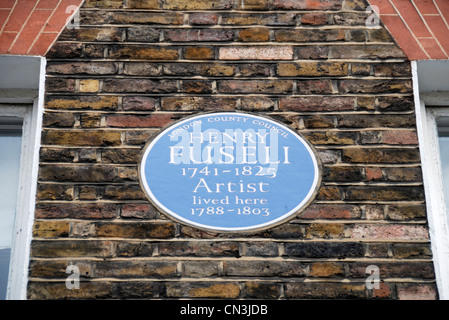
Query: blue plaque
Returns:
{"type": "Point", "coordinates": [229, 171]}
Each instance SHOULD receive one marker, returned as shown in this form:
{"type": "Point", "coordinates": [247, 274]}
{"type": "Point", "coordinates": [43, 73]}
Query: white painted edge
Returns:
{"type": "Point", "coordinates": [20, 255]}
{"type": "Point", "coordinates": [433, 186]}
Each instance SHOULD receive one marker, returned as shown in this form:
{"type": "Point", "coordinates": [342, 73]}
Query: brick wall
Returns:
{"type": "Point", "coordinates": [134, 67]}
{"type": "Point", "coordinates": [30, 27]}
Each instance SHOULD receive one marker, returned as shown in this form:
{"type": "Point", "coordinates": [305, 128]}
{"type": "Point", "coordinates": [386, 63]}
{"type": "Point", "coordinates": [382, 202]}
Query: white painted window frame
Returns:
{"type": "Point", "coordinates": [31, 111]}
{"type": "Point", "coordinates": [429, 106]}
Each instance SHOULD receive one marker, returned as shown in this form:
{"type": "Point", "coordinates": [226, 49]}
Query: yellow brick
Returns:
{"type": "Point", "coordinates": [89, 85]}
{"type": "Point", "coordinates": [221, 290]}
{"type": "Point", "coordinates": [51, 229]}
{"type": "Point", "coordinates": [326, 269]}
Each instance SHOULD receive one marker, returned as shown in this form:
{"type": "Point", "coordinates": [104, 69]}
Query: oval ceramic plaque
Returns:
{"type": "Point", "coordinates": [229, 171]}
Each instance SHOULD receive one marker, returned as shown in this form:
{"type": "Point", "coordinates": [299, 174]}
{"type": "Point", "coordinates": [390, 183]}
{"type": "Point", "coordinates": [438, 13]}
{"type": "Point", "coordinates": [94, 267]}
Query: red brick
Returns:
{"type": "Point", "coordinates": [389, 232]}
{"type": "Point", "coordinates": [47, 4]}
{"type": "Point", "coordinates": [203, 18]}
{"type": "Point", "coordinates": [60, 16]}
{"type": "Point", "coordinates": [373, 174]}
{"type": "Point", "coordinates": [315, 104]}
{"type": "Point", "coordinates": [30, 31]}
{"type": "Point", "coordinates": [412, 18]}
{"type": "Point", "coordinates": [416, 292]}
{"type": "Point", "coordinates": [4, 13]}
{"type": "Point", "coordinates": [428, 7]}
{"type": "Point", "coordinates": [443, 5]}
{"type": "Point", "coordinates": [316, 18]}
{"type": "Point", "coordinates": [42, 44]}
{"type": "Point", "coordinates": [20, 13]}
{"type": "Point", "coordinates": [440, 30]}
{"type": "Point", "coordinates": [400, 137]}
{"type": "Point", "coordinates": [404, 38]}
{"type": "Point", "coordinates": [384, 6]}
{"type": "Point", "coordinates": [6, 40]}
{"type": "Point", "coordinates": [8, 3]}
{"type": "Point", "coordinates": [131, 121]}
{"type": "Point", "coordinates": [139, 211]}
{"type": "Point", "coordinates": [383, 292]}
{"type": "Point", "coordinates": [432, 48]}
{"type": "Point", "coordinates": [56, 23]}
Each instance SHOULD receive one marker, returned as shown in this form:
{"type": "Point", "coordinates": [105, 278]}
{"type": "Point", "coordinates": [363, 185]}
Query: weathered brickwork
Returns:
{"type": "Point", "coordinates": [135, 66]}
